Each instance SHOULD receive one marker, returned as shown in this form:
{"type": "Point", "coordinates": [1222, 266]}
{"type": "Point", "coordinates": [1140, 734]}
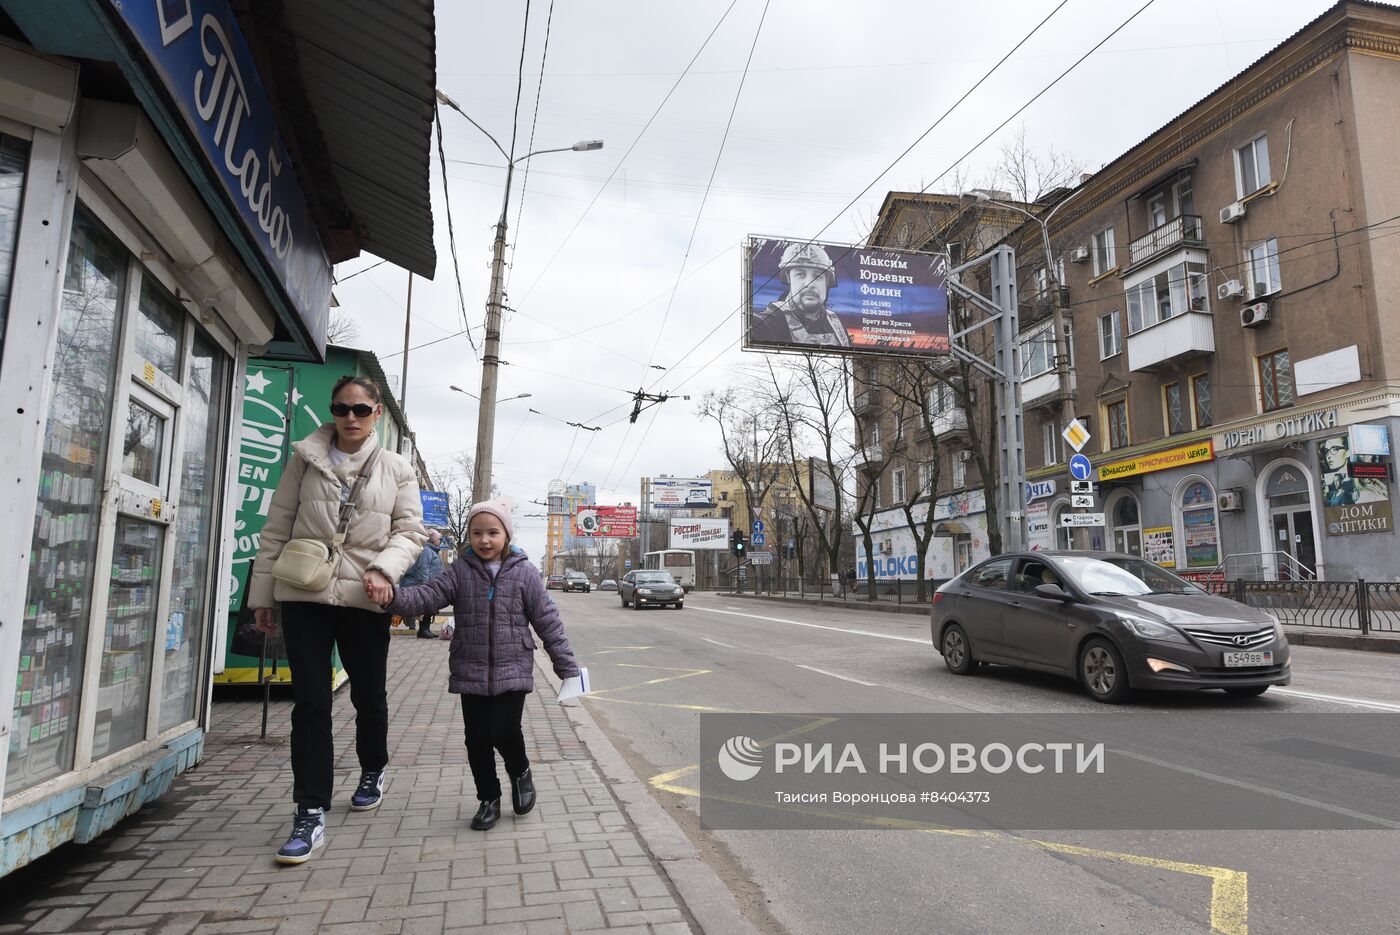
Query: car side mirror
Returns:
{"type": "Point", "coordinates": [1053, 591]}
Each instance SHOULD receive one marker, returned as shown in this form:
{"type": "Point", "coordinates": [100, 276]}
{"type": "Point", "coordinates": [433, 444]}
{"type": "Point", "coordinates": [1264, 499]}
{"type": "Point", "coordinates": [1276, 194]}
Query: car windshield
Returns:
{"type": "Point", "coordinates": [576, 576]}
{"type": "Point", "coordinates": [1123, 577]}
{"type": "Point", "coordinates": [656, 577]}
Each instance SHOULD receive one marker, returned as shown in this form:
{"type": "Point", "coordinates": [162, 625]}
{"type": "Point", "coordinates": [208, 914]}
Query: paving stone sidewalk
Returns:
{"type": "Point", "coordinates": [200, 859]}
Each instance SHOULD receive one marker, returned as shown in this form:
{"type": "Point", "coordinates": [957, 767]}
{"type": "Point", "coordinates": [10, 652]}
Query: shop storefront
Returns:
{"type": "Point", "coordinates": [131, 291]}
{"type": "Point", "coordinates": [959, 540]}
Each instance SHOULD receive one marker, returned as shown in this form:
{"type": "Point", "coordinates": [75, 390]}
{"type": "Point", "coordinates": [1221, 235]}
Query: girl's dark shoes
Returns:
{"type": "Point", "coordinates": [522, 792]}
{"type": "Point", "coordinates": [486, 815]}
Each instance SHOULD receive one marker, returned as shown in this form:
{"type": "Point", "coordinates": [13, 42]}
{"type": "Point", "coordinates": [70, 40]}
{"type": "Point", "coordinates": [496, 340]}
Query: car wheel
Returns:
{"type": "Point", "coordinates": [624, 601]}
{"type": "Point", "coordinates": [1247, 692]}
{"type": "Point", "coordinates": [680, 605]}
{"type": "Point", "coordinates": [636, 605]}
{"type": "Point", "coordinates": [1102, 673]}
{"type": "Point", "coordinates": [957, 651]}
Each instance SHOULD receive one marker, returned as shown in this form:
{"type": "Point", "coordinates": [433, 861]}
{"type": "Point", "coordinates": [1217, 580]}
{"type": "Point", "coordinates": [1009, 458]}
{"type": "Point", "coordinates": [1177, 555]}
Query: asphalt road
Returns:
{"type": "Point", "coordinates": [655, 671]}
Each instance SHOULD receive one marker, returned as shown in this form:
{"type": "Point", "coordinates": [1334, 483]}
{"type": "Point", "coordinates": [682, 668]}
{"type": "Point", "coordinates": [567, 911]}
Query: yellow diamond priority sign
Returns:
{"type": "Point", "coordinates": [1076, 434]}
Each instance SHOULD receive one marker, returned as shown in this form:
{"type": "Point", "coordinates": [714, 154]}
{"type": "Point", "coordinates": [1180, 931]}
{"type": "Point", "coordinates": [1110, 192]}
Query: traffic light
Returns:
{"type": "Point", "coordinates": [737, 545]}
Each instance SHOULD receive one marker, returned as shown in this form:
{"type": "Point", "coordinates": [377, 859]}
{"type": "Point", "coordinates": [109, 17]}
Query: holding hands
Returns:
{"type": "Point", "coordinates": [379, 588]}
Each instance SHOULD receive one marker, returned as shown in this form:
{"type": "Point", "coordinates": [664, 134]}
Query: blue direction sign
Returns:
{"type": "Point", "coordinates": [1079, 467]}
{"type": "Point", "coordinates": [758, 525]}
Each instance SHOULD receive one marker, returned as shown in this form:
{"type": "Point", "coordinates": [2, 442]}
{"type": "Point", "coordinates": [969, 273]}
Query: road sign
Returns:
{"type": "Point", "coordinates": [1076, 520]}
{"type": "Point", "coordinates": [761, 558]}
{"type": "Point", "coordinates": [1081, 486]}
{"type": "Point", "coordinates": [1076, 434]}
{"type": "Point", "coordinates": [1079, 467]}
{"type": "Point", "coordinates": [757, 539]}
{"type": "Point", "coordinates": [1082, 500]}
{"type": "Point", "coordinates": [627, 563]}
{"type": "Point", "coordinates": [758, 525]}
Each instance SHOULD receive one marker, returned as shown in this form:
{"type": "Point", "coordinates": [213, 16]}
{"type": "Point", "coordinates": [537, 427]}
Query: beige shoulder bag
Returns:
{"type": "Point", "coordinates": [309, 564]}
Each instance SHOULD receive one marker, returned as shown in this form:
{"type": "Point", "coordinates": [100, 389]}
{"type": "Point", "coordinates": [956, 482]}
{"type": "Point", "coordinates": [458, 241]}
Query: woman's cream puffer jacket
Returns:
{"type": "Point", "coordinates": [386, 531]}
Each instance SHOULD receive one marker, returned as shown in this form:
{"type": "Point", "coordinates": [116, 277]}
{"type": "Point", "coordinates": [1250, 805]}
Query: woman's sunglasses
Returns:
{"type": "Point", "coordinates": [361, 411]}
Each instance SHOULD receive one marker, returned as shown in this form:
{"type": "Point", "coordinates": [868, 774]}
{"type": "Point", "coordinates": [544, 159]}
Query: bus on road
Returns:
{"type": "Point", "coordinates": [679, 562]}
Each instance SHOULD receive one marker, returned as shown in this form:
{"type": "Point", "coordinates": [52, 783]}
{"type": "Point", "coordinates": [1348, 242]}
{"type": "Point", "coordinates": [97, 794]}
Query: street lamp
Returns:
{"type": "Point", "coordinates": [490, 359]}
{"type": "Point", "coordinates": [1052, 278]}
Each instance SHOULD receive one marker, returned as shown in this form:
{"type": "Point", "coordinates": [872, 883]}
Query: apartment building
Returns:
{"type": "Point", "coordinates": [1227, 297]}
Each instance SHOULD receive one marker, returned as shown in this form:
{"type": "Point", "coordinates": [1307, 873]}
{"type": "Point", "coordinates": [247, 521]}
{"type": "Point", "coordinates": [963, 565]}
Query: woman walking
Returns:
{"type": "Point", "coordinates": [339, 482]}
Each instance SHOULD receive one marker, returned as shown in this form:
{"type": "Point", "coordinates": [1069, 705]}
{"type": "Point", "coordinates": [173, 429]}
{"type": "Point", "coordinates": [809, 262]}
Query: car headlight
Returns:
{"type": "Point", "coordinates": [1278, 628]}
{"type": "Point", "coordinates": [1150, 629]}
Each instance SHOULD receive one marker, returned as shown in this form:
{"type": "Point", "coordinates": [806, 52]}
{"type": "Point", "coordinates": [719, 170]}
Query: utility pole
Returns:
{"type": "Point", "coordinates": [491, 357]}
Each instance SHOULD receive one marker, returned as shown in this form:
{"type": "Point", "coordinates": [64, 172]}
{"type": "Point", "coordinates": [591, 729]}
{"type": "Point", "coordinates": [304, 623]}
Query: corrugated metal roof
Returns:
{"type": "Point", "coordinates": [368, 68]}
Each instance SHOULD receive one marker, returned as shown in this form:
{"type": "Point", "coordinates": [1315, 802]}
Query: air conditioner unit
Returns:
{"type": "Point", "coordinates": [1079, 255]}
{"type": "Point", "coordinates": [1232, 213]}
{"type": "Point", "coordinates": [1252, 316]}
{"type": "Point", "coordinates": [887, 547]}
{"type": "Point", "coordinates": [1230, 501]}
{"type": "Point", "coordinates": [1229, 290]}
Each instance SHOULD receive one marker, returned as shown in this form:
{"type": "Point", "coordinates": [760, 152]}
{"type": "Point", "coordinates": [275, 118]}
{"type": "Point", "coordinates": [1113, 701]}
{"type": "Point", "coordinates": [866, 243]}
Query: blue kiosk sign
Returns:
{"type": "Point", "coordinates": [196, 48]}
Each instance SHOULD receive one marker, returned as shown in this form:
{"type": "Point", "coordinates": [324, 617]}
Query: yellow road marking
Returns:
{"type": "Point", "coordinates": [685, 674]}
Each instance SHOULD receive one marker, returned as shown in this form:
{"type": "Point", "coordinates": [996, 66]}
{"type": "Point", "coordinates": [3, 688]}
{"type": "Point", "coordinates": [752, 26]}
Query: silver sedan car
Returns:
{"type": "Point", "coordinates": [650, 589]}
{"type": "Point", "coordinates": [1112, 622]}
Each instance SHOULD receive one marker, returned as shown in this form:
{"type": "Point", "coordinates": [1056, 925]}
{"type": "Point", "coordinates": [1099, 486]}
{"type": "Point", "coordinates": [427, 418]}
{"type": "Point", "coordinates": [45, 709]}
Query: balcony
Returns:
{"type": "Point", "coordinates": [1183, 230]}
{"type": "Point", "coordinates": [1172, 339]}
{"type": "Point", "coordinates": [866, 400]}
{"type": "Point", "coordinates": [1042, 388]}
{"type": "Point", "coordinates": [871, 458]}
{"type": "Point", "coordinates": [950, 423]}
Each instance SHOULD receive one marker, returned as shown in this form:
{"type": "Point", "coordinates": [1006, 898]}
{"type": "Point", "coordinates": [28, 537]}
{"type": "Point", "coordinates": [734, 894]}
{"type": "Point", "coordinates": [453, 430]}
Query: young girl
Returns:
{"type": "Point", "coordinates": [496, 596]}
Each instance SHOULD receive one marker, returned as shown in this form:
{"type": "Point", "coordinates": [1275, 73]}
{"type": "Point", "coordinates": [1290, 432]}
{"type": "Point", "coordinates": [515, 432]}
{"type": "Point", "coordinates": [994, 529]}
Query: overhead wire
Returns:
{"type": "Point", "coordinates": [530, 147]}
{"type": "Point", "coordinates": [452, 235]}
{"type": "Point", "coordinates": [623, 160]}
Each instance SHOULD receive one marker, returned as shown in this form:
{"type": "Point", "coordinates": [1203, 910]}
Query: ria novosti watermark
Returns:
{"type": "Point", "coordinates": [1221, 770]}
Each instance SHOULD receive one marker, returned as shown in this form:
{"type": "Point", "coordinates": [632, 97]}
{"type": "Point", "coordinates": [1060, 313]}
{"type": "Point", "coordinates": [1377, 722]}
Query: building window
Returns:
{"type": "Point", "coordinates": [1102, 248]}
{"type": "Point", "coordinates": [1174, 404]}
{"type": "Point", "coordinates": [1038, 352]}
{"type": "Point", "coordinates": [960, 469]}
{"type": "Point", "coordinates": [1200, 399]}
{"type": "Point", "coordinates": [1117, 415]}
{"type": "Point", "coordinates": [1110, 335]}
{"type": "Point", "coordinates": [1050, 437]}
{"type": "Point", "coordinates": [941, 399]}
{"type": "Point", "coordinates": [14, 159]}
{"type": "Point", "coordinates": [1261, 261]}
{"type": "Point", "coordinates": [1275, 381]}
{"type": "Point", "coordinates": [1180, 289]}
{"type": "Point", "coordinates": [925, 479]}
{"type": "Point", "coordinates": [1156, 210]}
{"type": "Point", "coordinates": [873, 436]}
{"type": "Point", "coordinates": [1252, 166]}
{"type": "Point", "coordinates": [900, 493]}
{"type": "Point", "coordinates": [875, 494]}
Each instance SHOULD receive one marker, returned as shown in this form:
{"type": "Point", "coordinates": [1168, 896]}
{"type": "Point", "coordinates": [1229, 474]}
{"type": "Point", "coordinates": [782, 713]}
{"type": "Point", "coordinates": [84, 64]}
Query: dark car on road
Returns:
{"type": "Point", "coordinates": [1112, 622]}
{"type": "Point", "coordinates": [554, 583]}
{"type": "Point", "coordinates": [650, 589]}
{"type": "Point", "coordinates": [607, 584]}
{"type": "Point", "coordinates": [577, 581]}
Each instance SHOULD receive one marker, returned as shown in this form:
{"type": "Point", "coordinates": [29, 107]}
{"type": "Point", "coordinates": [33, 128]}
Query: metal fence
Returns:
{"type": "Point", "coordinates": [1364, 606]}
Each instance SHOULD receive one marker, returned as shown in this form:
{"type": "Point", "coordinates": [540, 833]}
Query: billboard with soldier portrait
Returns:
{"type": "Point", "coordinates": [841, 299]}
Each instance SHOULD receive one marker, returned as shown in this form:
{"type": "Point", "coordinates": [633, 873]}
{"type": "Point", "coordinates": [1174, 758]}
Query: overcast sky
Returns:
{"type": "Point", "coordinates": [834, 93]}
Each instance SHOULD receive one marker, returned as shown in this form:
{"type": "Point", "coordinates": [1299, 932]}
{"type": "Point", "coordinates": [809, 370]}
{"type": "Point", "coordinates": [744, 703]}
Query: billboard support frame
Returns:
{"type": "Point", "coordinates": [1003, 316]}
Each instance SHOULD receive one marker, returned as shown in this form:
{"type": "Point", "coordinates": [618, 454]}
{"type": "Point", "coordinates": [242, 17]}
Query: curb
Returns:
{"type": "Point", "coordinates": [1297, 636]}
{"type": "Point", "coordinates": [701, 891]}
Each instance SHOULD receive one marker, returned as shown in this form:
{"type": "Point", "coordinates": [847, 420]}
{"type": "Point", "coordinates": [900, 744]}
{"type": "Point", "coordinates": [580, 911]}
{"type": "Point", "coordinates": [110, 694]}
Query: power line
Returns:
{"type": "Point", "coordinates": [620, 162]}
{"type": "Point", "coordinates": [530, 147]}
{"type": "Point", "coordinates": [359, 271]}
{"type": "Point", "coordinates": [519, 84]}
{"type": "Point", "coordinates": [452, 234]}
{"type": "Point", "coordinates": [714, 168]}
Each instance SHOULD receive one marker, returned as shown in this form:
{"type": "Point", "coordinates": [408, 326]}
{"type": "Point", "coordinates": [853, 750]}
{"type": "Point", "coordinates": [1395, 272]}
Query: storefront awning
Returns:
{"type": "Point", "coordinates": [366, 71]}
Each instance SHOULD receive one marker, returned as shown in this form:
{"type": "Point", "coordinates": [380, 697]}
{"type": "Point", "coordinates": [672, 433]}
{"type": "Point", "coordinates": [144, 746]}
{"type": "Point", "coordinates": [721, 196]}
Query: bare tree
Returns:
{"type": "Point", "coordinates": [342, 330]}
{"type": "Point", "coordinates": [809, 396]}
{"type": "Point", "coordinates": [456, 480]}
{"type": "Point", "coordinates": [1028, 173]}
{"type": "Point", "coordinates": [753, 443]}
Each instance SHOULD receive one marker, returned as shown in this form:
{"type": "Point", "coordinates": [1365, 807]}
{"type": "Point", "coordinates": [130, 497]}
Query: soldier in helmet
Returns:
{"type": "Point", "coordinates": [801, 315]}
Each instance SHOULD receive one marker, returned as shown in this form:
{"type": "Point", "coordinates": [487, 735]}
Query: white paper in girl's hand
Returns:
{"type": "Point", "coordinates": [574, 686]}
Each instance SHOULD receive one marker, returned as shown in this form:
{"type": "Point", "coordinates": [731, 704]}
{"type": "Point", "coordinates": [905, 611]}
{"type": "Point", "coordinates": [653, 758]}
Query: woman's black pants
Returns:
{"type": "Point", "coordinates": [311, 631]}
